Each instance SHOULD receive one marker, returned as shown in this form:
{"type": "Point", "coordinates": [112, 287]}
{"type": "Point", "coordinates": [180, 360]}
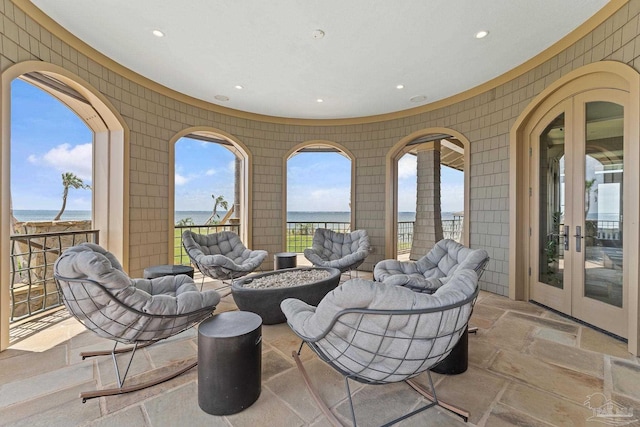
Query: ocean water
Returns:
{"type": "Point", "coordinates": [48, 215]}
{"type": "Point", "coordinates": [199, 217]}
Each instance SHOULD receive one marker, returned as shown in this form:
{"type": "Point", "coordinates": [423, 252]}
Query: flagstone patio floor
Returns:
{"type": "Point", "coordinates": [527, 367]}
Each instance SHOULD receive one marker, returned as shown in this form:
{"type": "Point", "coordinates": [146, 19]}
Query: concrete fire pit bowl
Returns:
{"type": "Point", "coordinates": [263, 293]}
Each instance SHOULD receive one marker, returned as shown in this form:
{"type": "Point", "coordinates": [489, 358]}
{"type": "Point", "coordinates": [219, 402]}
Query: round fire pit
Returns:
{"type": "Point", "coordinates": [265, 300]}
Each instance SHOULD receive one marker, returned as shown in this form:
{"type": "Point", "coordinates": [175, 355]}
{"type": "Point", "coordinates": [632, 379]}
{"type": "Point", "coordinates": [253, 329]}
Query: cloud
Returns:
{"type": "Point", "coordinates": [319, 199]}
{"type": "Point", "coordinates": [66, 158]}
{"type": "Point", "coordinates": [451, 197]}
{"type": "Point", "coordinates": [407, 166]}
{"type": "Point", "coordinates": [180, 180]}
{"type": "Point", "coordinates": [210, 172]}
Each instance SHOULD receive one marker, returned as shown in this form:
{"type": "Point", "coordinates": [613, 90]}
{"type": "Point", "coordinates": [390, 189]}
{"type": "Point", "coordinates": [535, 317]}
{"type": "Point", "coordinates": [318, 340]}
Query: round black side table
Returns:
{"type": "Point", "coordinates": [285, 260]}
{"type": "Point", "coordinates": [229, 362]}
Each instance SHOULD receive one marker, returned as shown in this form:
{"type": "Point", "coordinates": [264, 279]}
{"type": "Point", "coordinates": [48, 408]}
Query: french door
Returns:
{"type": "Point", "coordinates": [577, 165]}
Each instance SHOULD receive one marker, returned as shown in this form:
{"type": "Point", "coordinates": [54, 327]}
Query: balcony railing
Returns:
{"type": "Point", "coordinates": [300, 234]}
{"type": "Point", "coordinates": [452, 228]}
{"type": "Point", "coordinates": [32, 287]}
{"type": "Point", "coordinates": [180, 256]}
{"type": "Point", "coordinates": [405, 236]}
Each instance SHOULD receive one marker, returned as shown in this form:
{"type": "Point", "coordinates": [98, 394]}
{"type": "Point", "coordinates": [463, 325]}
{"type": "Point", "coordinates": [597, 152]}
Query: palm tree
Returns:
{"type": "Point", "coordinates": [218, 201]}
{"type": "Point", "coordinates": [69, 179]}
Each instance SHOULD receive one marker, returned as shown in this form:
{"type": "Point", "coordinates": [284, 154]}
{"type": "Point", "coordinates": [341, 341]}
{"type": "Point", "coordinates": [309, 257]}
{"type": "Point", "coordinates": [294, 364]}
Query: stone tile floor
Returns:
{"type": "Point", "coordinates": [527, 367]}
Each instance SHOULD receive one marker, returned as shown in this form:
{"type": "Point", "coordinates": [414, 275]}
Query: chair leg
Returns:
{"type": "Point", "coordinates": [332, 418]}
{"type": "Point", "coordinates": [122, 390]}
{"type": "Point", "coordinates": [120, 380]}
{"type": "Point", "coordinates": [314, 393]}
{"type": "Point", "coordinates": [433, 398]}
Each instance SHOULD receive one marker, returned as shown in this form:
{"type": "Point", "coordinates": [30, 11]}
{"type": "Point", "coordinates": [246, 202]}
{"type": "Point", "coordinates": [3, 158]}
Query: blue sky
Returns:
{"type": "Point", "coordinates": [48, 139]}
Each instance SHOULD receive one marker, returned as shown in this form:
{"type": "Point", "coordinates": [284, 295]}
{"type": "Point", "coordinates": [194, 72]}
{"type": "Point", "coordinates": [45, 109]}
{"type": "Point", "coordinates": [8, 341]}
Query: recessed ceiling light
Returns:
{"type": "Point", "coordinates": [418, 98]}
{"type": "Point", "coordinates": [319, 100]}
{"type": "Point", "coordinates": [221, 98]}
{"type": "Point", "coordinates": [482, 34]}
{"type": "Point", "coordinates": [157, 33]}
{"type": "Point", "coordinates": [317, 34]}
{"type": "Point", "coordinates": [400, 87]}
{"type": "Point", "coordinates": [239, 87]}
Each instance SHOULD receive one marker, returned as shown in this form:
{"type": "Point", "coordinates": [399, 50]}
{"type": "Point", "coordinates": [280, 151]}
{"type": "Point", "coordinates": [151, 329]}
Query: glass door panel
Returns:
{"type": "Point", "coordinates": [576, 246]}
{"type": "Point", "coordinates": [603, 186]}
{"type": "Point", "coordinates": [551, 240]}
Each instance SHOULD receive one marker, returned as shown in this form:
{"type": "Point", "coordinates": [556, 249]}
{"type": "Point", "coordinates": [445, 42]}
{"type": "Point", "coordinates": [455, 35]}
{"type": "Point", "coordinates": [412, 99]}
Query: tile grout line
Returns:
{"type": "Point", "coordinates": [483, 420]}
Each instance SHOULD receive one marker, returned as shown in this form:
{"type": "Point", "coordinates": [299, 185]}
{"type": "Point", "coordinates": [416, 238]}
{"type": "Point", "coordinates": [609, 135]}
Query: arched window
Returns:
{"type": "Point", "coordinates": [439, 193]}
{"type": "Point", "coordinates": [318, 192]}
{"type": "Point", "coordinates": [110, 160]}
{"type": "Point", "coordinates": [210, 171]}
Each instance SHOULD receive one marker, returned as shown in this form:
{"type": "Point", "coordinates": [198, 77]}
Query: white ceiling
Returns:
{"type": "Point", "coordinates": [369, 47]}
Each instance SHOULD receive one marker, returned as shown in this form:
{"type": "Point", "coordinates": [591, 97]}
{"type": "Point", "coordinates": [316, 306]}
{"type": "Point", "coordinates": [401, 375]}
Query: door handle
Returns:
{"type": "Point", "coordinates": [579, 238]}
{"type": "Point", "coordinates": [565, 236]}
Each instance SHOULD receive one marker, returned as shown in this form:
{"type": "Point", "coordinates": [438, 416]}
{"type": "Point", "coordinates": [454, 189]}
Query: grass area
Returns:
{"type": "Point", "coordinates": [298, 242]}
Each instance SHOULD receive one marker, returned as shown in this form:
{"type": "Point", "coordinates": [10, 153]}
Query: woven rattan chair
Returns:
{"type": "Point", "coordinates": [432, 270]}
{"type": "Point", "coordinates": [140, 312]}
{"type": "Point", "coordinates": [221, 256]}
{"type": "Point", "coordinates": [377, 334]}
{"type": "Point", "coordinates": [344, 251]}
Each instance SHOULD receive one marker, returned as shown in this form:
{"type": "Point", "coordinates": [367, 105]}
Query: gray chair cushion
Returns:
{"type": "Point", "coordinates": [168, 295]}
{"type": "Point", "coordinates": [432, 270]}
{"type": "Point", "coordinates": [379, 347]}
{"type": "Point", "coordinates": [221, 255]}
{"type": "Point", "coordinates": [344, 251]}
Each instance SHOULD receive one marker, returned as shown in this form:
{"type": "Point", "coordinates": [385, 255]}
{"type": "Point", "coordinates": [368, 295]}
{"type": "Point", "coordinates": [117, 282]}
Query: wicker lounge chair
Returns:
{"type": "Point", "coordinates": [378, 334]}
{"type": "Point", "coordinates": [140, 312]}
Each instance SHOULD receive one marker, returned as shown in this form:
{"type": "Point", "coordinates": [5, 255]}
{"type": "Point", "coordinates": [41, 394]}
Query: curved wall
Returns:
{"type": "Point", "coordinates": [155, 116]}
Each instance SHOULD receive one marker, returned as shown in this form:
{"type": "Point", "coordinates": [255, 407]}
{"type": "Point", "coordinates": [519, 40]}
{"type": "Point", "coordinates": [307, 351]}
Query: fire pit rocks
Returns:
{"type": "Point", "coordinates": [263, 293]}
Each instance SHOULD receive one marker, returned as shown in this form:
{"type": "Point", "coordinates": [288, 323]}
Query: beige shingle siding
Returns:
{"type": "Point", "coordinates": [154, 119]}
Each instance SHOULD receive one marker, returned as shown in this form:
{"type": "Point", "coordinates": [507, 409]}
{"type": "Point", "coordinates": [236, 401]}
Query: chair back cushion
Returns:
{"type": "Point", "coordinates": [447, 256]}
{"type": "Point", "coordinates": [331, 245]}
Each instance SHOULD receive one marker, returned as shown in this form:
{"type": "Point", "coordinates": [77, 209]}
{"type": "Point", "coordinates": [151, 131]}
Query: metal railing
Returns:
{"type": "Point", "coordinates": [180, 256]}
{"type": "Point", "coordinates": [300, 234]}
{"type": "Point", "coordinates": [32, 287]}
{"type": "Point", "coordinates": [452, 229]}
{"type": "Point", "coordinates": [405, 236]}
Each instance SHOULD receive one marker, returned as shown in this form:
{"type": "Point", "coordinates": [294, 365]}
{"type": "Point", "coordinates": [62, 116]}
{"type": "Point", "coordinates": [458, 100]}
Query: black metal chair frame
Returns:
{"type": "Point", "coordinates": [348, 374]}
{"type": "Point", "coordinates": [183, 321]}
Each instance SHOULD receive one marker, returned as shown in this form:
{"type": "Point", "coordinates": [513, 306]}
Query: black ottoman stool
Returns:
{"type": "Point", "coordinates": [229, 362]}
